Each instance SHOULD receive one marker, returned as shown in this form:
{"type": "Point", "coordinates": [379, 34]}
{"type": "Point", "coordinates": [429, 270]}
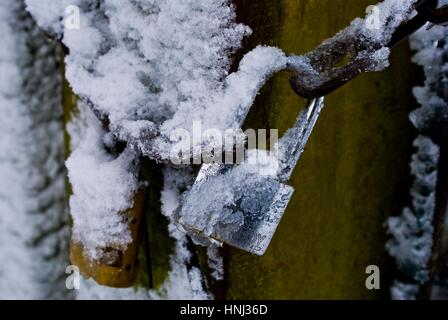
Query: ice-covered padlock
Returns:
{"type": "Point", "coordinates": [238, 204]}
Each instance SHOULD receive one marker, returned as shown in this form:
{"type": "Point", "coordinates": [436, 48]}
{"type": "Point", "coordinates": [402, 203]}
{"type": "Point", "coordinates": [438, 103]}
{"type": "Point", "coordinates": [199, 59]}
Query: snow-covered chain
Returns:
{"type": "Point", "coordinates": [367, 47]}
{"type": "Point", "coordinates": [151, 69]}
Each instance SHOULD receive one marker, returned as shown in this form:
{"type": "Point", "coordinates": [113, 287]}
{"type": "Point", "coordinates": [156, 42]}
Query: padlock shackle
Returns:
{"type": "Point", "coordinates": [292, 144]}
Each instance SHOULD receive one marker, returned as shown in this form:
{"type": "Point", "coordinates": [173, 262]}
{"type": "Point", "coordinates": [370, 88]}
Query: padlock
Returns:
{"type": "Point", "coordinates": [239, 206]}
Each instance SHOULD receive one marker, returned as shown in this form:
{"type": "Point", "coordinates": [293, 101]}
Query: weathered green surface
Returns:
{"type": "Point", "coordinates": [353, 174]}
{"type": "Point", "coordinates": [157, 244]}
{"type": "Point", "coordinates": [69, 106]}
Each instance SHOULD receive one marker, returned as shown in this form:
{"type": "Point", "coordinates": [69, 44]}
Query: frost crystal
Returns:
{"type": "Point", "coordinates": [147, 68]}
{"type": "Point", "coordinates": [432, 55]}
{"type": "Point", "coordinates": [404, 291]}
{"type": "Point", "coordinates": [183, 282]}
{"type": "Point", "coordinates": [364, 44]}
{"type": "Point", "coordinates": [103, 186]}
{"type": "Point", "coordinates": [215, 262]}
{"type": "Point", "coordinates": [33, 213]}
{"type": "Point", "coordinates": [163, 64]}
{"type": "Point", "coordinates": [412, 231]}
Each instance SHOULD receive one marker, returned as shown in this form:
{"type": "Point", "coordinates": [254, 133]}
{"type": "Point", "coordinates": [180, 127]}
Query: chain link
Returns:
{"type": "Point", "coordinates": [317, 73]}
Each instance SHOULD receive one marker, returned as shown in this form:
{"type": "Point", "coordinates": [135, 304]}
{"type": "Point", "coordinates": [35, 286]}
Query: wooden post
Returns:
{"type": "Point", "coordinates": [123, 271]}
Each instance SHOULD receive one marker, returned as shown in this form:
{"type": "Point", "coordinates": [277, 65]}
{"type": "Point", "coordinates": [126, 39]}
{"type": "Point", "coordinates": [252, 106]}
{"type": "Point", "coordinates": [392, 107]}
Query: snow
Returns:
{"type": "Point", "coordinates": [432, 96]}
{"type": "Point", "coordinates": [49, 14]}
{"type": "Point", "coordinates": [165, 66]}
{"type": "Point", "coordinates": [404, 291]}
{"type": "Point", "coordinates": [147, 69]}
{"type": "Point", "coordinates": [151, 68]}
{"type": "Point", "coordinates": [412, 232]}
{"type": "Point", "coordinates": [364, 44]}
{"type": "Point", "coordinates": [103, 187]}
{"type": "Point", "coordinates": [33, 213]}
{"type": "Point", "coordinates": [227, 109]}
{"type": "Point", "coordinates": [90, 290]}
{"type": "Point", "coordinates": [374, 37]}
{"type": "Point", "coordinates": [389, 15]}
{"type": "Point", "coordinates": [184, 281]}
{"type": "Point", "coordinates": [215, 262]}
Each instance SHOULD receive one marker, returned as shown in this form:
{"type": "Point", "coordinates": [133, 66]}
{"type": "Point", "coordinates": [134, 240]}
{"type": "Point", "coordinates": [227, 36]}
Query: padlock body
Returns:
{"type": "Point", "coordinates": [240, 207]}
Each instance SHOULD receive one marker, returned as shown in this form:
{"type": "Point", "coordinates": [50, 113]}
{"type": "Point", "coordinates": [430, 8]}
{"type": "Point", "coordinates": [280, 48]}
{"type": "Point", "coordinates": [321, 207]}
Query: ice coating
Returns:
{"type": "Point", "coordinates": [240, 207]}
{"type": "Point", "coordinates": [412, 231]}
{"type": "Point", "coordinates": [364, 44]}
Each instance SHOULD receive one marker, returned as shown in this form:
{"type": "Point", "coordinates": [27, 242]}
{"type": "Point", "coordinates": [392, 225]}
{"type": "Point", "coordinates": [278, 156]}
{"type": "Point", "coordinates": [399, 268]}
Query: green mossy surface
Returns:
{"type": "Point", "coordinates": [352, 176]}
{"type": "Point", "coordinates": [69, 107]}
{"type": "Point", "coordinates": [158, 245]}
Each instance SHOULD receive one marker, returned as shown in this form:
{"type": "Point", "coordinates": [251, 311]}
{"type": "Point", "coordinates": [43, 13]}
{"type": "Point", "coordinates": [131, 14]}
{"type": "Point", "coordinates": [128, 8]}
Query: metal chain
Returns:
{"type": "Point", "coordinates": [317, 73]}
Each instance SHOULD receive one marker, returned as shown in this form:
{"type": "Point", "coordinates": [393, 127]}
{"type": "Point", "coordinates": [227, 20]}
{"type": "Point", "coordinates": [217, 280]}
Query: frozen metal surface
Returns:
{"type": "Point", "coordinates": [241, 205]}
{"type": "Point", "coordinates": [292, 144]}
{"type": "Point", "coordinates": [245, 216]}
